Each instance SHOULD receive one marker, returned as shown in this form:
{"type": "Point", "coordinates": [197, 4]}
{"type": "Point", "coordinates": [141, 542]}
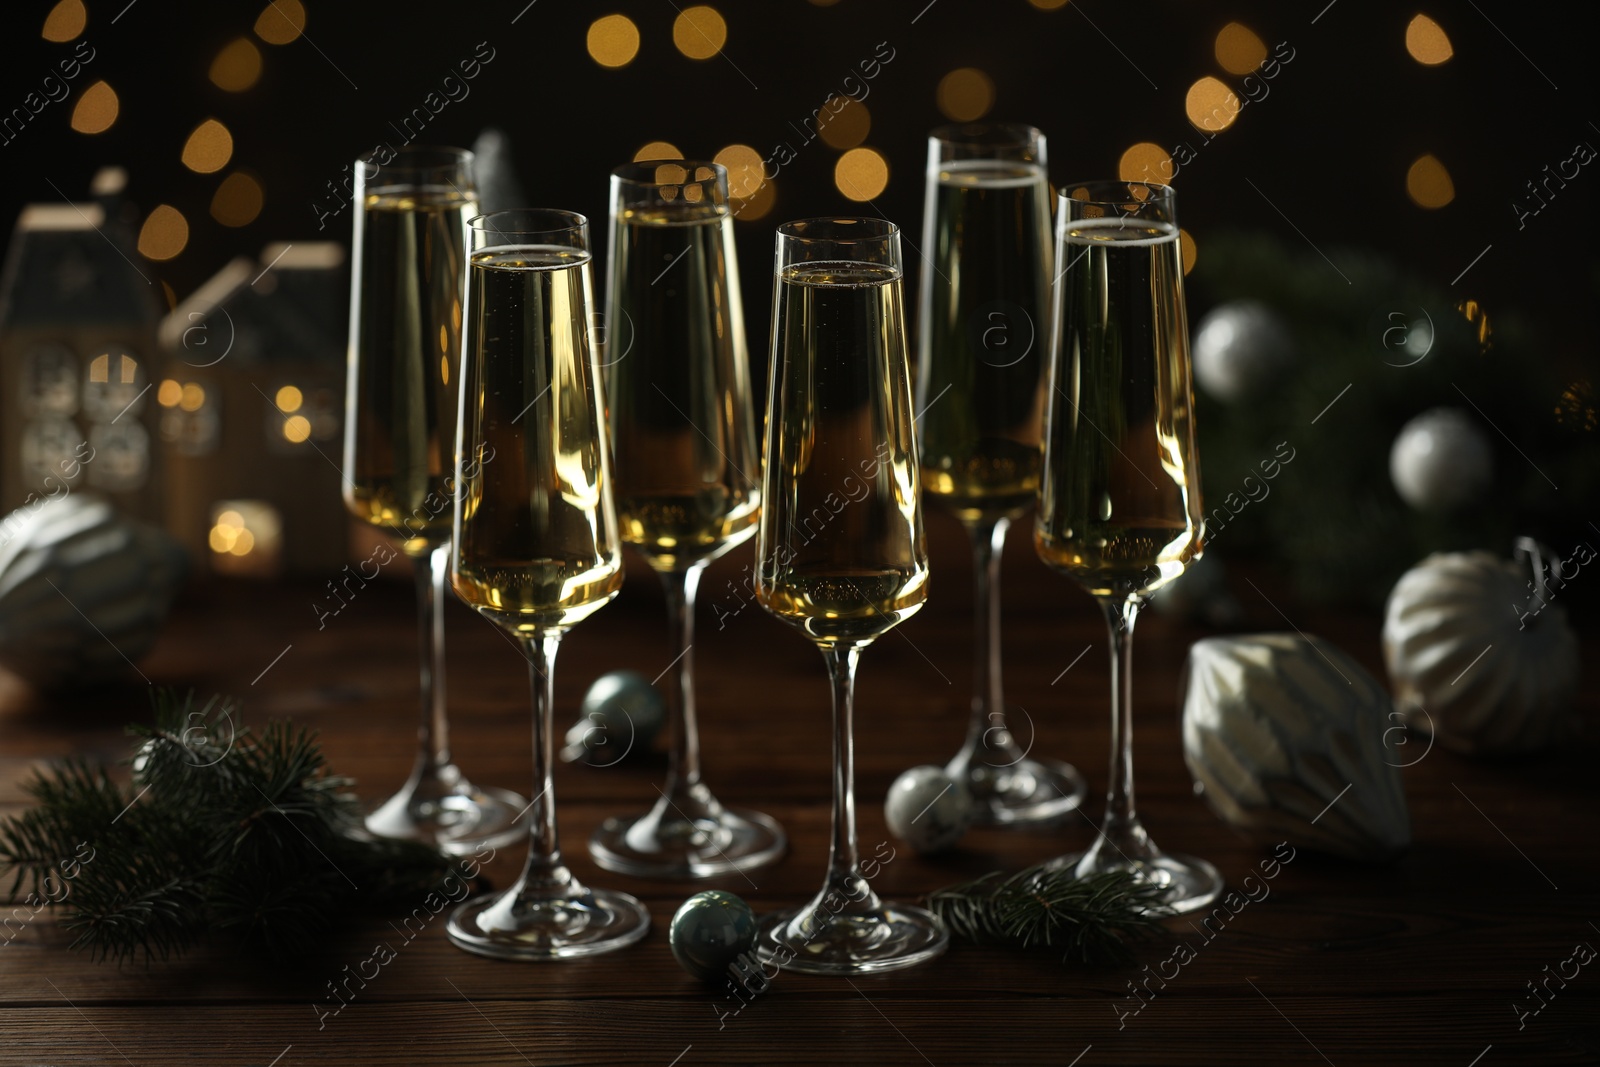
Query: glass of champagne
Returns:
{"type": "Point", "coordinates": [1119, 506]}
{"type": "Point", "coordinates": [400, 431]}
{"type": "Point", "coordinates": [984, 323]}
{"type": "Point", "coordinates": [536, 545]}
{"type": "Point", "coordinates": [840, 552]}
{"type": "Point", "coordinates": [683, 431]}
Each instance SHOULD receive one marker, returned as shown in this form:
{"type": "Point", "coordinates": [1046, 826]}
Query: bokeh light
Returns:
{"type": "Point", "coordinates": [296, 429]}
{"type": "Point", "coordinates": [1145, 162]}
{"type": "Point", "coordinates": [657, 150]}
{"type": "Point", "coordinates": [237, 200]}
{"type": "Point", "coordinates": [1048, 5]}
{"type": "Point", "coordinates": [1428, 183]}
{"type": "Point", "coordinates": [208, 148]}
{"type": "Point", "coordinates": [745, 175]}
{"type": "Point", "coordinates": [1427, 42]}
{"type": "Point", "coordinates": [1211, 105]}
{"type": "Point", "coordinates": [757, 206]}
{"type": "Point", "coordinates": [861, 173]}
{"type": "Point", "coordinates": [699, 32]}
{"type": "Point", "coordinates": [843, 122]}
{"type": "Point", "coordinates": [613, 41]}
{"type": "Point", "coordinates": [965, 94]}
{"type": "Point", "coordinates": [237, 67]}
{"type": "Point", "coordinates": [193, 397]}
{"type": "Point", "coordinates": [164, 234]}
{"type": "Point", "coordinates": [170, 392]}
{"type": "Point", "coordinates": [281, 21]}
{"type": "Point", "coordinates": [65, 21]}
{"type": "Point", "coordinates": [1238, 49]}
{"type": "Point", "coordinates": [289, 398]}
{"type": "Point", "coordinates": [1188, 249]}
{"type": "Point", "coordinates": [97, 108]}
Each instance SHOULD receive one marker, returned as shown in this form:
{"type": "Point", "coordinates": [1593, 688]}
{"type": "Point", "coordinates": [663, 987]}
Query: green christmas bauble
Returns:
{"type": "Point", "coordinates": [710, 931]}
{"type": "Point", "coordinates": [620, 717]}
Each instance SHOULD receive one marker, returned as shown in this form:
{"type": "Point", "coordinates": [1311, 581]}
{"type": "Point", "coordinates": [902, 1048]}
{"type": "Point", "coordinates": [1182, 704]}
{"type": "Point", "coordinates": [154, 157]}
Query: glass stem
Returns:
{"type": "Point", "coordinates": [844, 877]}
{"type": "Point", "coordinates": [987, 728]}
{"type": "Point", "coordinates": [683, 768]}
{"type": "Point", "coordinates": [544, 870]}
{"type": "Point", "coordinates": [433, 735]}
{"type": "Point", "coordinates": [1121, 828]}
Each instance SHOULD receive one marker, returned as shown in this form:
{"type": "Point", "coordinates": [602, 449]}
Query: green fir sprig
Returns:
{"type": "Point", "coordinates": [1088, 920]}
{"type": "Point", "coordinates": [222, 830]}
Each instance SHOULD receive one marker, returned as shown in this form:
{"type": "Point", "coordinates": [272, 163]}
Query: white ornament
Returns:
{"type": "Point", "coordinates": [1480, 657]}
{"type": "Point", "coordinates": [1241, 350]}
{"type": "Point", "coordinates": [1441, 460]}
{"type": "Point", "coordinates": [1285, 736]}
{"type": "Point", "coordinates": [83, 591]}
{"type": "Point", "coordinates": [927, 809]}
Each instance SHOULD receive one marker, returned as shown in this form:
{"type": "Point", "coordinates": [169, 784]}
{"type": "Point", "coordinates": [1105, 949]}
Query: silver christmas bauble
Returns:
{"type": "Point", "coordinates": [1441, 460]}
{"type": "Point", "coordinates": [1241, 350]}
{"type": "Point", "coordinates": [927, 809]}
{"type": "Point", "coordinates": [710, 931]}
{"type": "Point", "coordinates": [620, 716]}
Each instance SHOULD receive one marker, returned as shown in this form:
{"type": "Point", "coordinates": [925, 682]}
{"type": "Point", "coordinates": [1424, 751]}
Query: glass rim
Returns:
{"type": "Point", "coordinates": [559, 221]}
{"type": "Point", "coordinates": [622, 173]}
{"type": "Point", "coordinates": [1159, 192]}
{"type": "Point", "coordinates": [993, 135]}
{"type": "Point", "coordinates": [837, 229]}
{"type": "Point", "coordinates": [419, 157]}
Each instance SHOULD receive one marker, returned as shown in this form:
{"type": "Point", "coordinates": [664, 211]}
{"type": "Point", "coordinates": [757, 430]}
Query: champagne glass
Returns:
{"type": "Point", "coordinates": [405, 330]}
{"type": "Point", "coordinates": [1119, 507]}
{"type": "Point", "coordinates": [983, 327]}
{"type": "Point", "coordinates": [840, 551]}
{"type": "Point", "coordinates": [683, 430]}
{"type": "Point", "coordinates": [536, 546]}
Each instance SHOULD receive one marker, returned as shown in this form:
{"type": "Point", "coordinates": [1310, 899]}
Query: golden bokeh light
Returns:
{"type": "Point", "coordinates": [237, 200]}
{"type": "Point", "coordinates": [1427, 42]}
{"type": "Point", "coordinates": [657, 150]}
{"type": "Point", "coordinates": [745, 176]}
{"type": "Point", "coordinates": [96, 109]}
{"type": "Point", "coordinates": [1211, 105]}
{"type": "Point", "coordinates": [193, 397]}
{"type": "Point", "coordinates": [1428, 183]}
{"type": "Point", "coordinates": [281, 21]}
{"type": "Point", "coordinates": [965, 94]}
{"type": "Point", "coordinates": [699, 32]}
{"type": "Point", "coordinates": [758, 206]}
{"type": "Point", "coordinates": [861, 174]}
{"type": "Point", "coordinates": [164, 234]}
{"type": "Point", "coordinates": [613, 40]}
{"type": "Point", "coordinates": [289, 399]}
{"type": "Point", "coordinates": [843, 122]}
{"type": "Point", "coordinates": [170, 392]}
{"type": "Point", "coordinates": [1238, 49]}
{"type": "Point", "coordinates": [65, 21]}
{"type": "Point", "coordinates": [237, 67]}
{"type": "Point", "coordinates": [1145, 162]}
{"type": "Point", "coordinates": [1048, 5]}
{"type": "Point", "coordinates": [208, 148]}
{"type": "Point", "coordinates": [1187, 249]}
{"type": "Point", "coordinates": [296, 428]}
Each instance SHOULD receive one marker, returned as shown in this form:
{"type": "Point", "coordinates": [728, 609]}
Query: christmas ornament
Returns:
{"type": "Point", "coordinates": [1199, 594]}
{"type": "Point", "coordinates": [83, 591]}
{"type": "Point", "coordinates": [927, 809]}
{"type": "Point", "coordinates": [620, 716]}
{"type": "Point", "coordinates": [1285, 737]}
{"type": "Point", "coordinates": [1480, 657]}
{"type": "Point", "coordinates": [1441, 460]}
{"type": "Point", "coordinates": [710, 931]}
{"type": "Point", "coordinates": [1241, 350]}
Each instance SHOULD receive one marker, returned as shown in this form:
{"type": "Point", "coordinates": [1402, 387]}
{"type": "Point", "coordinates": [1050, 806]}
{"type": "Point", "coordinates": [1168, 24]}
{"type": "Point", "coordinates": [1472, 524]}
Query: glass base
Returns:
{"type": "Point", "coordinates": [1190, 883]}
{"type": "Point", "coordinates": [1028, 793]}
{"type": "Point", "coordinates": [450, 813]}
{"type": "Point", "coordinates": [506, 928]}
{"type": "Point", "coordinates": [887, 938]}
{"type": "Point", "coordinates": [653, 846]}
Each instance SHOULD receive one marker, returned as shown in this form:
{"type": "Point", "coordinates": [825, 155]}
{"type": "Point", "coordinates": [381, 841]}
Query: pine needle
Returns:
{"type": "Point", "coordinates": [1090, 920]}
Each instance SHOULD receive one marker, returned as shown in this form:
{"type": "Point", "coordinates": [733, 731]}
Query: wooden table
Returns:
{"type": "Point", "coordinates": [1416, 962]}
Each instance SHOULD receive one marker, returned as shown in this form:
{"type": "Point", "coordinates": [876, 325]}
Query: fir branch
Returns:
{"type": "Point", "coordinates": [1091, 919]}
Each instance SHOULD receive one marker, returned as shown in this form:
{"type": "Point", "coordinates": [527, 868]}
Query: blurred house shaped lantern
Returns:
{"type": "Point", "coordinates": [78, 320]}
{"type": "Point", "coordinates": [251, 408]}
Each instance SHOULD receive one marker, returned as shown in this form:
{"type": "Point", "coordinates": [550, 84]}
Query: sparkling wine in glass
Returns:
{"type": "Point", "coordinates": [984, 322]}
{"type": "Point", "coordinates": [1119, 506]}
{"type": "Point", "coordinates": [683, 428]}
{"type": "Point", "coordinates": [399, 448]}
{"type": "Point", "coordinates": [536, 549]}
{"type": "Point", "coordinates": [840, 551]}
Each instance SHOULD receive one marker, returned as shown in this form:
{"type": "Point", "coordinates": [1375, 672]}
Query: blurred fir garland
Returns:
{"type": "Point", "coordinates": [1333, 517]}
